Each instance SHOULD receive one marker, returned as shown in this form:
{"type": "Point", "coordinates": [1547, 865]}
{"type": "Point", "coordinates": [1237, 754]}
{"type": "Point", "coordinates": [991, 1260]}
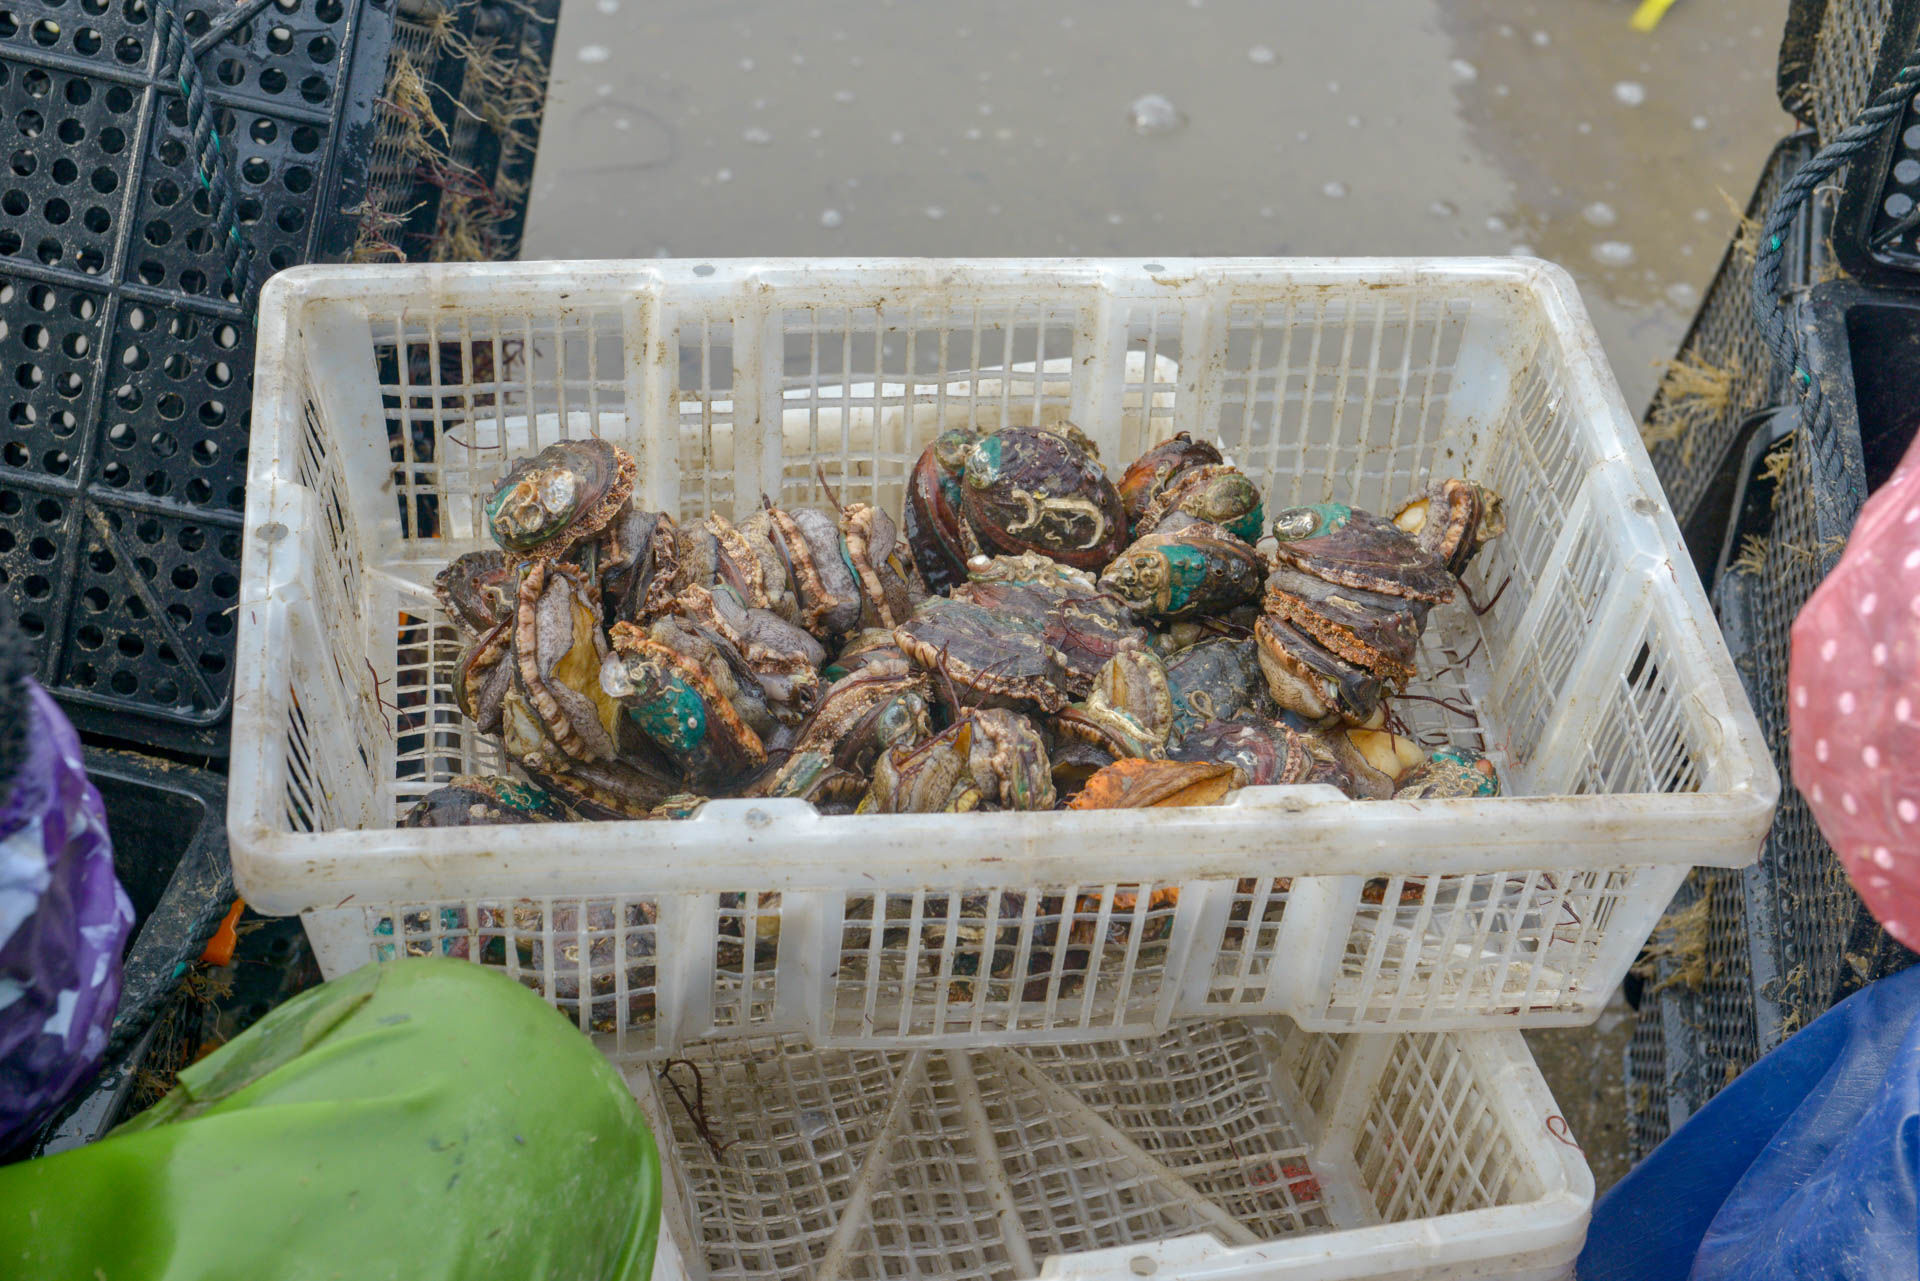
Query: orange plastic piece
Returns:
{"type": "Point", "coordinates": [219, 949]}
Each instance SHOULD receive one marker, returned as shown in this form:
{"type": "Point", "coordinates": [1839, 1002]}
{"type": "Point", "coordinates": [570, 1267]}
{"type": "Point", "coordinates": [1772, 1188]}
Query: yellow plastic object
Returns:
{"type": "Point", "coordinates": [425, 1120]}
{"type": "Point", "coordinates": [1648, 15]}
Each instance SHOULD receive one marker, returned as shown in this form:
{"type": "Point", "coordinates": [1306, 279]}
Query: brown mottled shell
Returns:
{"type": "Point", "coordinates": [867, 647]}
{"type": "Point", "coordinates": [809, 776]}
{"type": "Point", "coordinates": [717, 551]}
{"type": "Point", "coordinates": [752, 543]}
{"type": "Point", "coordinates": [1453, 520]}
{"type": "Point", "coordinates": [1030, 569]}
{"type": "Point", "coordinates": [602, 790]}
{"type": "Point", "coordinates": [1377, 632]}
{"type": "Point", "coordinates": [928, 777]}
{"type": "Point", "coordinates": [1150, 472]}
{"type": "Point", "coordinates": [726, 745]}
{"type": "Point", "coordinates": [483, 800]}
{"type": "Point", "coordinates": [1087, 632]}
{"type": "Point", "coordinates": [987, 662]}
{"type": "Point", "coordinates": [1135, 682]}
{"type": "Point", "coordinates": [638, 560]}
{"type": "Point", "coordinates": [781, 658]}
{"type": "Point", "coordinates": [1143, 784]}
{"type": "Point", "coordinates": [990, 758]}
{"type": "Point", "coordinates": [1371, 555]}
{"type": "Point", "coordinates": [1303, 676]}
{"type": "Point", "coordinates": [1073, 763]}
{"type": "Point", "coordinates": [825, 592]}
{"type": "Point", "coordinates": [1033, 594]}
{"type": "Point", "coordinates": [936, 534]}
{"type": "Point", "coordinates": [1328, 767]}
{"type": "Point", "coordinates": [1265, 752]}
{"type": "Point", "coordinates": [871, 541]}
{"type": "Point", "coordinates": [697, 557]}
{"type": "Point", "coordinates": [1213, 492]}
{"type": "Point", "coordinates": [1027, 489]}
{"type": "Point", "coordinates": [476, 590]}
{"type": "Point", "coordinates": [1008, 760]}
{"type": "Point", "coordinates": [482, 676]}
{"type": "Point", "coordinates": [568, 491]}
{"type": "Point", "coordinates": [679, 805]}
{"type": "Point", "coordinates": [1214, 680]}
{"type": "Point", "coordinates": [859, 716]}
{"type": "Point", "coordinates": [723, 663]}
{"type": "Point", "coordinates": [558, 648]}
{"type": "Point", "coordinates": [1197, 570]}
{"type": "Point", "coordinates": [1020, 605]}
{"type": "Point", "coordinates": [1129, 711]}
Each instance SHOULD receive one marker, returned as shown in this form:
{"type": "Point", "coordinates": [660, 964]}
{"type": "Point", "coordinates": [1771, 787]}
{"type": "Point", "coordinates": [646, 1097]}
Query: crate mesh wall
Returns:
{"type": "Point", "coordinates": [1843, 61]}
{"type": "Point", "coordinates": [457, 130]}
{"type": "Point", "coordinates": [1812, 904]}
{"type": "Point", "coordinates": [1746, 957]}
{"type": "Point", "coordinates": [125, 360]}
{"type": "Point", "coordinates": [1877, 233]}
{"type": "Point", "coordinates": [1646, 1082]}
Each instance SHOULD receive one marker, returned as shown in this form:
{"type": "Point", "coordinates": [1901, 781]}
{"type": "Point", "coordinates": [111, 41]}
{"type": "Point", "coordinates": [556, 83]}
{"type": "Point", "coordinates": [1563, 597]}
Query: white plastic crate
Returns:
{"type": "Point", "coordinates": [1224, 1149]}
{"type": "Point", "coordinates": [1598, 683]}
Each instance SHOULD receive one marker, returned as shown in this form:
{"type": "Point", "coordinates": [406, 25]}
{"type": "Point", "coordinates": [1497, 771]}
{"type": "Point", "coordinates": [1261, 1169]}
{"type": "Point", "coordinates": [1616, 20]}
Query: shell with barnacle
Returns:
{"type": "Point", "coordinates": [567, 492]}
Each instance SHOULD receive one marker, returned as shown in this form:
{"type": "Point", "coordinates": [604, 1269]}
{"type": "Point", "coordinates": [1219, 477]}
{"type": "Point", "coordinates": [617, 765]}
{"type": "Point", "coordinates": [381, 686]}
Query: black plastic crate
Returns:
{"type": "Point", "coordinates": [1745, 958]}
{"type": "Point", "coordinates": [1723, 372]}
{"type": "Point", "coordinates": [125, 358]}
{"type": "Point", "coordinates": [1814, 938]}
{"type": "Point", "coordinates": [169, 826]}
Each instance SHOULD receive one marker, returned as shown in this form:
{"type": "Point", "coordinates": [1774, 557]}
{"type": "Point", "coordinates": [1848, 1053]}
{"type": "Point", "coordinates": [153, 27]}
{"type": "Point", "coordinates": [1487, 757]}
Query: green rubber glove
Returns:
{"type": "Point", "coordinates": [422, 1119]}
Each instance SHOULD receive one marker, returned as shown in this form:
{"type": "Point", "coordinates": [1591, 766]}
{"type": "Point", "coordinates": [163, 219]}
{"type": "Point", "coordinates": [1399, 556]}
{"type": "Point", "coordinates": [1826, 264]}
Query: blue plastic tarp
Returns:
{"type": "Point", "coordinates": [1804, 1167]}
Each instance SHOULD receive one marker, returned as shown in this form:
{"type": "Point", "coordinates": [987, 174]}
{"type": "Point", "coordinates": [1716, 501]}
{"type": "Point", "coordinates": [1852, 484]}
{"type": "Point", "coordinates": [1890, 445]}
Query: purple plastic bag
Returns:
{"type": "Point", "coordinates": [63, 925]}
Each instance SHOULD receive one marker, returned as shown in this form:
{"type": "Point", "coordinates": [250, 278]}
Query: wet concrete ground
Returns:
{"type": "Point", "coordinates": [747, 127]}
{"type": "Point", "coordinates": [744, 127]}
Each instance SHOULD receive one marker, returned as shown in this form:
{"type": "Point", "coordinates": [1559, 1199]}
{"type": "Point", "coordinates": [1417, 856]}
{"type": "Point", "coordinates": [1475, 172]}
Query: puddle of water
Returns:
{"type": "Point", "coordinates": [1470, 127]}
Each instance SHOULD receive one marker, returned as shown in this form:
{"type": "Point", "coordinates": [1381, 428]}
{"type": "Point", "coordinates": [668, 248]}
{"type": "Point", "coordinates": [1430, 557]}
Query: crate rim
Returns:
{"type": "Point", "coordinates": [274, 866]}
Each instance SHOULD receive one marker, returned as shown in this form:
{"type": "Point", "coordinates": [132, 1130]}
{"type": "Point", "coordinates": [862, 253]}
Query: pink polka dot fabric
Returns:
{"type": "Point", "coordinates": [1853, 691]}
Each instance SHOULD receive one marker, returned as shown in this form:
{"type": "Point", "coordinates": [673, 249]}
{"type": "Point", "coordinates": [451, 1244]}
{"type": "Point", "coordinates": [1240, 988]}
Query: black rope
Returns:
{"type": "Point", "coordinates": [210, 160]}
{"type": "Point", "coordinates": [1816, 415]}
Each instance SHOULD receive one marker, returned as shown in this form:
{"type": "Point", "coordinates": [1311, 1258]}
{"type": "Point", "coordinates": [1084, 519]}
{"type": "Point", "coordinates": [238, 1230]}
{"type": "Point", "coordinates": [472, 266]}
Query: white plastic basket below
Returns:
{"type": "Point", "coordinates": [1226, 1149]}
{"type": "Point", "coordinates": [389, 399]}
